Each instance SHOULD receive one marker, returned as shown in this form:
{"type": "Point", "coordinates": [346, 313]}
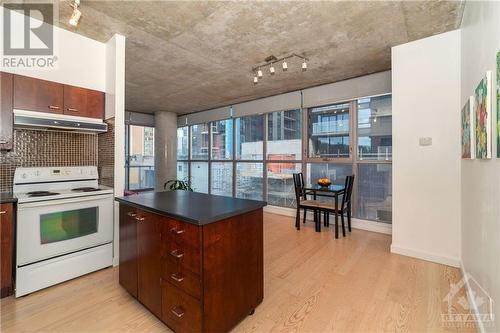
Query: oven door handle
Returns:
{"type": "Point", "coordinates": [64, 201]}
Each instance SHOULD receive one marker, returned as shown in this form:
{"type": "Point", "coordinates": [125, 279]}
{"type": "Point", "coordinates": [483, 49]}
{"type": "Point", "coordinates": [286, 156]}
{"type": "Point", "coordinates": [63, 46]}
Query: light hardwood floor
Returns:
{"type": "Point", "coordinates": [313, 283]}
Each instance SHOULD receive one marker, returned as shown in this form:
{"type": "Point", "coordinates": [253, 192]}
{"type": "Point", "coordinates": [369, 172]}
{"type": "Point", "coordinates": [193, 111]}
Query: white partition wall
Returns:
{"type": "Point", "coordinates": [115, 108]}
{"type": "Point", "coordinates": [426, 148]}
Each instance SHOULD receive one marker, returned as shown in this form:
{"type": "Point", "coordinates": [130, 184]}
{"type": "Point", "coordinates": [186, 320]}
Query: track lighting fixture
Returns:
{"type": "Point", "coordinates": [271, 60]}
{"type": "Point", "coordinates": [75, 16]}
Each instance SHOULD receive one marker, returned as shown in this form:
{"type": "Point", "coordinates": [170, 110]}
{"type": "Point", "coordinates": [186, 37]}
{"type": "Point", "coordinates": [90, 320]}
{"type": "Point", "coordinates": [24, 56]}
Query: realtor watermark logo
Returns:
{"type": "Point", "coordinates": [461, 313]}
{"type": "Point", "coordinates": [28, 35]}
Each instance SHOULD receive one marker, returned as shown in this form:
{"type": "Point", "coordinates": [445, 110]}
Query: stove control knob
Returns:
{"type": "Point", "coordinates": [24, 176]}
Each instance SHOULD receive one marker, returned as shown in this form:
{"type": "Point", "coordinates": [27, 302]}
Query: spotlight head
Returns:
{"type": "Point", "coordinates": [304, 66]}
{"type": "Point", "coordinates": [259, 73]}
{"type": "Point", "coordinates": [285, 66]}
{"type": "Point", "coordinates": [255, 80]}
{"type": "Point", "coordinates": [75, 17]}
{"type": "Point", "coordinates": [272, 70]}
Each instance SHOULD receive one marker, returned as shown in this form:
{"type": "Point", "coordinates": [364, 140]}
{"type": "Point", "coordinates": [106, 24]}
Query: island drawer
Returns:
{"type": "Point", "coordinates": [181, 277]}
{"type": "Point", "coordinates": [184, 255]}
{"type": "Point", "coordinates": [182, 232]}
{"type": "Point", "coordinates": [180, 311]}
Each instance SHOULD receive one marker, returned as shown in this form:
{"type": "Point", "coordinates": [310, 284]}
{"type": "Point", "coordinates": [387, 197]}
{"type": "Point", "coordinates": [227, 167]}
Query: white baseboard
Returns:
{"type": "Point", "coordinates": [450, 261]}
{"type": "Point", "coordinates": [379, 227]}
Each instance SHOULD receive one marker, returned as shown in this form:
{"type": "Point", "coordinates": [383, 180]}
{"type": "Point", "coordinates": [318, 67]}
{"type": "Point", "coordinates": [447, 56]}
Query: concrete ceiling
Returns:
{"type": "Point", "coordinates": [189, 56]}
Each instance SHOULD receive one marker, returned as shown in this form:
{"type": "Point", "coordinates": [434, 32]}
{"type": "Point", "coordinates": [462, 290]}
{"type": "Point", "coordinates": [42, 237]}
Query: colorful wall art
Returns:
{"type": "Point", "coordinates": [468, 129]}
{"type": "Point", "coordinates": [482, 117]}
{"type": "Point", "coordinates": [498, 104]}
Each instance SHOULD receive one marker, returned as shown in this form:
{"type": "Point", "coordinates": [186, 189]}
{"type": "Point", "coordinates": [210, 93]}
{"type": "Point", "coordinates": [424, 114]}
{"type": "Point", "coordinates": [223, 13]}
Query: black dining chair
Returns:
{"type": "Point", "coordinates": [303, 202]}
{"type": "Point", "coordinates": [345, 206]}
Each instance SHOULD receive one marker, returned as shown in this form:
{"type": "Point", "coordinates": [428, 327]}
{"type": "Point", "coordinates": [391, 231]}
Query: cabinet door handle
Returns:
{"type": "Point", "coordinates": [53, 107]}
{"type": "Point", "coordinates": [72, 110]}
{"type": "Point", "coordinates": [177, 277]}
{"type": "Point", "coordinates": [131, 214]}
{"type": "Point", "coordinates": [3, 212]}
{"type": "Point", "coordinates": [139, 219]}
{"type": "Point", "coordinates": [176, 254]}
{"type": "Point", "coordinates": [176, 232]}
{"type": "Point", "coordinates": [177, 311]}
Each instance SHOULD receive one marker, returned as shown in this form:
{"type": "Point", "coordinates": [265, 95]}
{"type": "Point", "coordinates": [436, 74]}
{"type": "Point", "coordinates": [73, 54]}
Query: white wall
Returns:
{"type": "Point", "coordinates": [481, 178]}
{"type": "Point", "coordinates": [81, 61]}
{"type": "Point", "coordinates": [426, 179]}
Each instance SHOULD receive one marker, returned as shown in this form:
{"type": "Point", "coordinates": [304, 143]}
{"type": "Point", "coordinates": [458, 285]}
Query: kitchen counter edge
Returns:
{"type": "Point", "coordinates": [199, 222]}
{"type": "Point", "coordinates": [7, 197]}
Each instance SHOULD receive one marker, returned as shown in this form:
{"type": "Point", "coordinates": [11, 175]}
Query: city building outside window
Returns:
{"type": "Point", "coordinates": [140, 170]}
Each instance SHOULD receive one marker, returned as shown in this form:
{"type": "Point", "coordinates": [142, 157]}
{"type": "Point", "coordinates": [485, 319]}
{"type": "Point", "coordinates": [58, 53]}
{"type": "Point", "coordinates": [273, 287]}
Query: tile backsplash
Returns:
{"type": "Point", "coordinates": [106, 155]}
{"type": "Point", "coordinates": [46, 148]}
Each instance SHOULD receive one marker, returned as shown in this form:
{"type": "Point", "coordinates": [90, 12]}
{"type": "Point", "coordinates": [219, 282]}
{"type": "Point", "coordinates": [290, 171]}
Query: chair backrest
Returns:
{"type": "Point", "coordinates": [298, 183]}
{"type": "Point", "coordinates": [346, 198]}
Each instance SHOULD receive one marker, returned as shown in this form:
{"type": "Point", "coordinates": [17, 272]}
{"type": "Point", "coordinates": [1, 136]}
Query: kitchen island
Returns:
{"type": "Point", "coordinates": [194, 260]}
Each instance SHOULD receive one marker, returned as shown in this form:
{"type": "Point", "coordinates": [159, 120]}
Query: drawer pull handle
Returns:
{"type": "Point", "coordinates": [177, 311]}
{"type": "Point", "coordinates": [177, 232]}
{"type": "Point", "coordinates": [177, 277]}
{"type": "Point", "coordinates": [3, 211]}
{"type": "Point", "coordinates": [52, 107]}
{"type": "Point", "coordinates": [131, 214]}
{"type": "Point", "coordinates": [176, 254]}
{"type": "Point", "coordinates": [2, 142]}
{"type": "Point", "coordinates": [139, 219]}
{"type": "Point", "coordinates": [72, 110]}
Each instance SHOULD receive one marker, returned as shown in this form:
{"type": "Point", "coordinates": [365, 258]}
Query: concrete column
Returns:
{"type": "Point", "coordinates": [165, 147]}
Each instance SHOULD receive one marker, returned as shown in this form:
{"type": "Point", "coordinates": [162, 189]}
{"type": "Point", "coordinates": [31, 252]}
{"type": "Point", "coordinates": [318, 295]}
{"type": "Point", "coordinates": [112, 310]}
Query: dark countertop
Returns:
{"type": "Point", "coordinates": [192, 207]}
{"type": "Point", "coordinates": [7, 197]}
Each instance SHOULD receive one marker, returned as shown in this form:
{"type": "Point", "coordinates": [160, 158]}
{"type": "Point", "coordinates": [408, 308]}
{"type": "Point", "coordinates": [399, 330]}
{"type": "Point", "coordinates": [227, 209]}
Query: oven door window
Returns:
{"type": "Point", "coordinates": [60, 226]}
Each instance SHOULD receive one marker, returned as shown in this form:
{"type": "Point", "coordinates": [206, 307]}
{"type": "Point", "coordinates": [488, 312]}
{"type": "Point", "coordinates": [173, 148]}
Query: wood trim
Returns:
{"type": "Point", "coordinates": [6, 249]}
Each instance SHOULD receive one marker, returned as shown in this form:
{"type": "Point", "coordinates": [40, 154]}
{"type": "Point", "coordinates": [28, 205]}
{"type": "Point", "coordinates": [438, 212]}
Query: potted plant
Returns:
{"type": "Point", "coordinates": [175, 184]}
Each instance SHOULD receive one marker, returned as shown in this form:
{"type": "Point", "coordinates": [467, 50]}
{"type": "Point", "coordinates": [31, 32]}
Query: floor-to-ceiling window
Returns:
{"type": "Point", "coordinates": [139, 159]}
{"type": "Point", "coordinates": [254, 156]}
{"type": "Point", "coordinates": [283, 155]}
{"type": "Point", "coordinates": [249, 157]}
{"type": "Point", "coordinates": [374, 159]}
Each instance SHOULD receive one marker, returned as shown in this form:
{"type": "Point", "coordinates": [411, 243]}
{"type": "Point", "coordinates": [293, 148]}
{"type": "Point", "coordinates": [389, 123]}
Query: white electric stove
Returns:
{"type": "Point", "coordinates": [64, 225]}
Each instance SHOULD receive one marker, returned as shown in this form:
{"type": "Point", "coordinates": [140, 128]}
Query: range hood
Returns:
{"type": "Point", "coordinates": [57, 122]}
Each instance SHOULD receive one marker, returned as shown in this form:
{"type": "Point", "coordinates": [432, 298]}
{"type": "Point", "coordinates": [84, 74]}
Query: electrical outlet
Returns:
{"type": "Point", "coordinates": [425, 141]}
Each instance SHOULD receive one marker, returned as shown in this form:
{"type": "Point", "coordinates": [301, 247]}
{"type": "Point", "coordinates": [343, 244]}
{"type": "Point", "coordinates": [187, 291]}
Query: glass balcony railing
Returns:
{"type": "Point", "coordinates": [141, 177]}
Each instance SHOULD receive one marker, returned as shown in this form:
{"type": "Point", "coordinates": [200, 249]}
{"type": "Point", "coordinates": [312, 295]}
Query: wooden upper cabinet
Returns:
{"type": "Point", "coordinates": [95, 104]}
{"type": "Point", "coordinates": [44, 96]}
{"type": "Point", "coordinates": [83, 102]}
{"type": "Point", "coordinates": [38, 95]}
{"type": "Point", "coordinates": [6, 116]}
{"type": "Point", "coordinates": [75, 101]}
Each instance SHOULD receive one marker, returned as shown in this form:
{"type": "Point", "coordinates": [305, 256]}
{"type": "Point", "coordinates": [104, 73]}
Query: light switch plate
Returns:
{"type": "Point", "coordinates": [425, 141]}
